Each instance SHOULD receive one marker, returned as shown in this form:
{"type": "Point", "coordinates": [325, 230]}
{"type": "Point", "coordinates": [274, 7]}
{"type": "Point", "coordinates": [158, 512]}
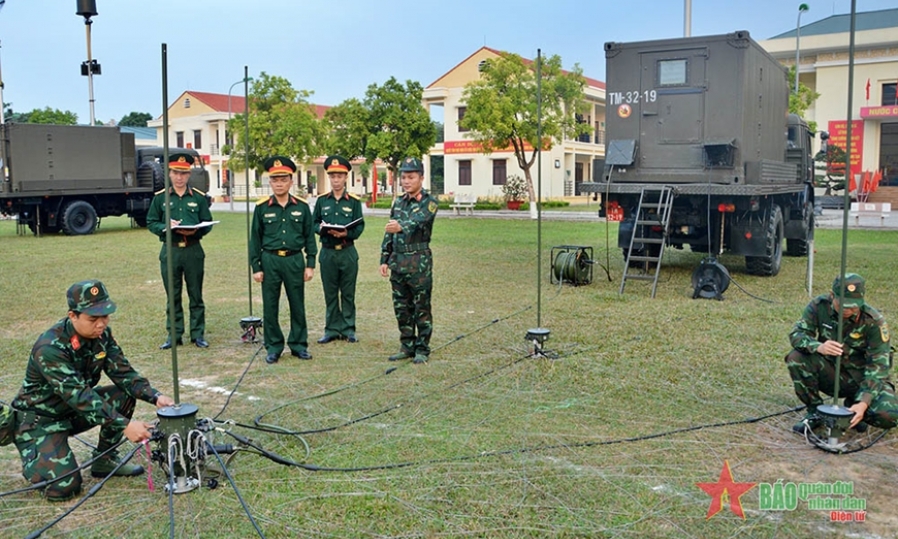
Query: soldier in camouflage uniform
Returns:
{"type": "Point", "coordinates": [866, 358]}
{"type": "Point", "coordinates": [188, 207]}
{"type": "Point", "coordinates": [339, 259]}
{"type": "Point", "coordinates": [281, 230]}
{"type": "Point", "coordinates": [60, 398]}
{"type": "Point", "coordinates": [405, 255]}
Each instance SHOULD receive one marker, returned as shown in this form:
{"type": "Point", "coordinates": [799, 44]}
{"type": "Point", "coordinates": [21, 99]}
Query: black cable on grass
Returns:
{"type": "Point", "coordinates": [749, 294]}
{"type": "Point", "coordinates": [48, 482]}
{"type": "Point", "coordinates": [93, 490]}
{"type": "Point", "coordinates": [236, 491]}
{"type": "Point", "coordinates": [237, 384]}
{"type": "Point", "coordinates": [392, 466]}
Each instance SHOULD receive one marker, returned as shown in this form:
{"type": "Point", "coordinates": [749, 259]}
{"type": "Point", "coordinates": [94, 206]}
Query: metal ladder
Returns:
{"type": "Point", "coordinates": [654, 208]}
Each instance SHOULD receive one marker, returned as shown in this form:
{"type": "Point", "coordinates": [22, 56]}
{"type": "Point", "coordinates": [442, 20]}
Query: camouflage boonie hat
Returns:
{"type": "Point", "coordinates": [411, 164]}
{"type": "Point", "coordinates": [90, 298]}
{"type": "Point", "coordinates": [854, 290]}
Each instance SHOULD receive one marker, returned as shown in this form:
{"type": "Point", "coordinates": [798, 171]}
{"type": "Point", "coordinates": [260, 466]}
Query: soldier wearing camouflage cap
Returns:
{"type": "Point", "coordinates": [188, 206]}
{"type": "Point", "coordinates": [60, 396]}
{"type": "Point", "coordinates": [865, 351]}
{"type": "Point", "coordinates": [406, 257]}
{"type": "Point", "coordinates": [338, 258]}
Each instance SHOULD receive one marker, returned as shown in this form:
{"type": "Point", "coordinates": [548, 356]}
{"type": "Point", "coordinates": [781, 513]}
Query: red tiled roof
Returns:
{"type": "Point", "coordinates": [219, 102]}
{"type": "Point", "coordinates": [595, 83]}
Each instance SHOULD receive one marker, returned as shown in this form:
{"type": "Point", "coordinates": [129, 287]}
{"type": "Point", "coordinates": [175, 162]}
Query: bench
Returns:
{"type": "Point", "coordinates": [870, 209]}
{"type": "Point", "coordinates": [463, 201]}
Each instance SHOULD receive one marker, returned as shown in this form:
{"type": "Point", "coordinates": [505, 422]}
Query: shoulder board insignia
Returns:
{"type": "Point", "coordinates": [304, 201]}
{"type": "Point", "coordinates": [355, 196]}
{"type": "Point", "coordinates": [261, 201]}
{"type": "Point", "coordinates": [325, 194]}
{"type": "Point", "coordinates": [200, 192]}
{"type": "Point", "coordinates": [159, 192]}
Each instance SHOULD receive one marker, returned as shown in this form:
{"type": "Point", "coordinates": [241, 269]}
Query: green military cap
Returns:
{"type": "Point", "coordinates": [180, 161]}
{"type": "Point", "coordinates": [337, 163]}
{"type": "Point", "coordinates": [278, 165]}
{"type": "Point", "coordinates": [411, 164]}
{"type": "Point", "coordinates": [854, 289]}
{"type": "Point", "coordinates": [91, 298]}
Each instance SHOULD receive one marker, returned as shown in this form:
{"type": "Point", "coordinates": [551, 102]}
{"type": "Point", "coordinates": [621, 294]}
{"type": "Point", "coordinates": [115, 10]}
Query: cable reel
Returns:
{"type": "Point", "coordinates": [571, 264]}
{"type": "Point", "coordinates": [250, 326]}
{"type": "Point", "coordinates": [710, 279]}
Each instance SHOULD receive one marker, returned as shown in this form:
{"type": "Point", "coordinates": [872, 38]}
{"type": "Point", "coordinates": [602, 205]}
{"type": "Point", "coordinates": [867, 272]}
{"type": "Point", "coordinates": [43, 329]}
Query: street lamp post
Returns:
{"type": "Point", "coordinates": [801, 9]}
{"type": "Point", "coordinates": [227, 139]}
{"type": "Point", "coordinates": [88, 9]}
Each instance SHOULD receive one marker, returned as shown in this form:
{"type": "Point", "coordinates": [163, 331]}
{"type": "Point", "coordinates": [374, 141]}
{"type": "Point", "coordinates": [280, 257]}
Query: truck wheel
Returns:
{"type": "Point", "coordinates": [799, 247]}
{"type": "Point", "coordinates": [151, 169]}
{"type": "Point", "coordinates": [79, 218]}
{"type": "Point", "coordinates": [769, 264]}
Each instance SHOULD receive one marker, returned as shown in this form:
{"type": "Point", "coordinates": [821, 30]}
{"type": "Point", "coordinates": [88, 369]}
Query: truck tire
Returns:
{"type": "Point", "coordinates": [769, 264]}
{"type": "Point", "coordinates": [152, 169]}
{"type": "Point", "coordinates": [799, 247]}
{"type": "Point", "coordinates": [79, 218]}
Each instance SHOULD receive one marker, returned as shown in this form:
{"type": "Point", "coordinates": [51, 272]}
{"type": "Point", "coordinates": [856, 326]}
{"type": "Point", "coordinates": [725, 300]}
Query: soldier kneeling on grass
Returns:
{"type": "Point", "coordinates": [865, 351]}
{"type": "Point", "coordinates": [60, 398]}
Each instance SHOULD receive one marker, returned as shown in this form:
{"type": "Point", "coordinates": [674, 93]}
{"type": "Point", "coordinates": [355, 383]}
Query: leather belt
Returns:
{"type": "Point", "coordinates": [282, 252]}
{"type": "Point", "coordinates": [339, 246]}
{"type": "Point", "coordinates": [186, 243]}
{"type": "Point", "coordinates": [412, 247]}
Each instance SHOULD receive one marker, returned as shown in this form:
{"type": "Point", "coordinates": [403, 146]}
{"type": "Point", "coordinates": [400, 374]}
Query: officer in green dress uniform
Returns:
{"type": "Point", "coordinates": [338, 258]}
{"type": "Point", "coordinates": [189, 206]}
{"type": "Point", "coordinates": [61, 396]}
{"type": "Point", "coordinates": [405, 256]}
{"type": "Point", "coordinates": [282, 230]}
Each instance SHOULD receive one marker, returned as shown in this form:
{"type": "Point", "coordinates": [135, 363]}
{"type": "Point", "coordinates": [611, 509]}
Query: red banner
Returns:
{"type": "Point", "coordinates": [885, 111]}
{"type": "Point", "coordinates": [838, 136]}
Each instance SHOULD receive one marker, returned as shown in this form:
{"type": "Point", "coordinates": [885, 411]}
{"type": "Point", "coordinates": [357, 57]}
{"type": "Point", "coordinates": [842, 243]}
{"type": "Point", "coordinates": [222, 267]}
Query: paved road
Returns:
{"type": "Point", "coordinates": [829, 218]}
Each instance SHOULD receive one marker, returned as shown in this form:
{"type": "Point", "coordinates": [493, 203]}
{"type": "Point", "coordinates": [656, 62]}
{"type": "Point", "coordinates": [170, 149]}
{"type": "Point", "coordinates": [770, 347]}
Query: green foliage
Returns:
{"type": "Point", "coordinates": [801, 102]}
{"type": "Point", "coordinates": [45, 115]}
{"type": "Point", "coordinates": [282, 122]}
{"type": "Point", "coordinates": [135, 119]}
{"type": "Point", "coordinates": [389, 124]}
{"type": "Point", "coordinates": [515, 188]}
{"type": "Point", "coordinates": [502, 107]}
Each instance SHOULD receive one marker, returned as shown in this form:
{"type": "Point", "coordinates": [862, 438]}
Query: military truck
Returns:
{"type": "Point", "coordinates": [64, 178]}
{"type": "Point", "coordinates": [707, 117]}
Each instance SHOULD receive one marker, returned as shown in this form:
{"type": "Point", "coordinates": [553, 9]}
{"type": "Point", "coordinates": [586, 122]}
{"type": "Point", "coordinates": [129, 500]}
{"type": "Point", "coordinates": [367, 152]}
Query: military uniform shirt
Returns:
{"type": "Point", "coordinates": [64, 368]}
{"type": "Point", "coordinates": [402, 250]}
{"type": "Point", "coordinates": [278, 228]}
{"type": "Point", "coordinates": [340, 211]}
{"type": "Point", "coordinates": [190, 209]}
{"type": "Point", "coordinates": [865, 342]}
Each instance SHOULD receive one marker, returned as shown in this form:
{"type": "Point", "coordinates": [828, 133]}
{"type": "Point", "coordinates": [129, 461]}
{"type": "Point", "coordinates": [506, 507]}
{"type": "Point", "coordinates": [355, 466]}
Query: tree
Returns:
{"type": "Point", "coordinates": [135, 119]}
{"type": "Point", "coordinates": [502, 108]}
{"type": "Point", "coordinates": [45, 115]}
{"type": "Point", "coordinates": [282, 122]}
{"type": "Point", "coordinates": [389, 124]}
{"type": "Point", "coordinates": [799, 103]}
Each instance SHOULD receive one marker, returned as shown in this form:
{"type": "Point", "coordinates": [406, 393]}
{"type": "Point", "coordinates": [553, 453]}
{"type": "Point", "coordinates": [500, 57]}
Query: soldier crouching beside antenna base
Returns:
{"type": "Point", "coordinates": [866, 358]}
{"type": "Point", "coordinates": [60, 398]}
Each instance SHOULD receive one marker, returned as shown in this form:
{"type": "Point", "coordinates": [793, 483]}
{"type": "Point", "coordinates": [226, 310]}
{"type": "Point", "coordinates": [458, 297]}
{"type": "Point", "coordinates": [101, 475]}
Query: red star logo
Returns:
{"type": "Point", "coordinates": [725, 487]}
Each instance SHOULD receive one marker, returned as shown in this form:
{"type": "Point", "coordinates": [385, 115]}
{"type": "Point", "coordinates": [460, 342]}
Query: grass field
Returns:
{"type": "Point", "coordinates": [501, 445]}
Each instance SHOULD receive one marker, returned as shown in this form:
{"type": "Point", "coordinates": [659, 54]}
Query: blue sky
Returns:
{"type": "Point", "coordinates": [334, 48]}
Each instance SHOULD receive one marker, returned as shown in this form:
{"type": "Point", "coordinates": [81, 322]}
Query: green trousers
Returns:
{"type": "Point", "coordinates": [188, 266]}
{"type": "Point", "coordinates": [813, 373]}
{"type": "Point", "coordinates": [339, 271]}
{"type": "Point", "coordinates": [43, 443]}
{"type": "Point", "coordinates": [286, 271]}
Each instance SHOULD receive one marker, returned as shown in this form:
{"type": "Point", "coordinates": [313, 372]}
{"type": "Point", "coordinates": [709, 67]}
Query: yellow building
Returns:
{"type": "Point", "coordinates": [823, 47]}
{"type": "Point", "coordinates": [466, 171]}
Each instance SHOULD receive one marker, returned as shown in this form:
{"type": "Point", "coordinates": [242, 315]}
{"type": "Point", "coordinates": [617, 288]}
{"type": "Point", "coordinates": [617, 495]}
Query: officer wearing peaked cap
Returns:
{"type": "Point", "coordinates": [282, 253]}
{"type": "Point", "coordinates": [188, 206]}
{"type": "Point", "coordinates": [339, 259]}
{"type": "Point", "coordinates": [60, 395]}
{"type": "Point", "coordinates": [865, 351]}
